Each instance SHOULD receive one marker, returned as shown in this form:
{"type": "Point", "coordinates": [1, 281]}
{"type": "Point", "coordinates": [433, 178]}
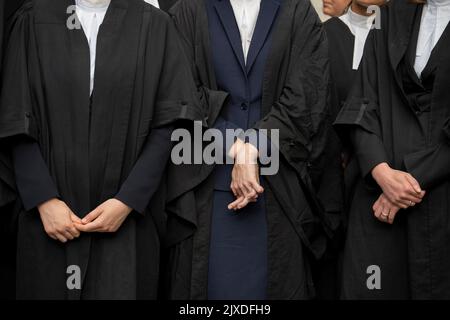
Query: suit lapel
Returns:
{"type": "Point", "coordinates": [266, 17]}
{"type": "Point", "coordinates": [225, 12]}
{"type": "Point", "coordinates": [400, 32]}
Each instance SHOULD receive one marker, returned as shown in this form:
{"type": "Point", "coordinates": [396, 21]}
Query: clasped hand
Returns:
{"type": "Point", "coordinates": [400, 191]}
{"type": "Point", "coordinates": [245, 183]}
{"type": "Point", "coordinates": [61, 224]}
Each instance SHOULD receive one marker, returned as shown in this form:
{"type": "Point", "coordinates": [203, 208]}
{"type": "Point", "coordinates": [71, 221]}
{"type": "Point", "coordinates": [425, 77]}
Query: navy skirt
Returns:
{"type": "Point", "coordinates": [238, 250]}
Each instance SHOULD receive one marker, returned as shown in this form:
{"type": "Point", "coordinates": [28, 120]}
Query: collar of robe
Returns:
{"type": "Point", "coordinates": [359, 26]}
{"type": "Point", "coordinates": [359, 20]}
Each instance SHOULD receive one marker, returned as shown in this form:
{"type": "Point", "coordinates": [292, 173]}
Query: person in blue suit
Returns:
{"type": "Point", "coordinates": [234, 232]}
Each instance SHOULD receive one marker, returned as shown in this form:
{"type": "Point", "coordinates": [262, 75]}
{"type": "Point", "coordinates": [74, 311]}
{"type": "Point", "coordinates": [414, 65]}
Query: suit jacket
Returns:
{"type": "Point", "coordinates": [242, 81]}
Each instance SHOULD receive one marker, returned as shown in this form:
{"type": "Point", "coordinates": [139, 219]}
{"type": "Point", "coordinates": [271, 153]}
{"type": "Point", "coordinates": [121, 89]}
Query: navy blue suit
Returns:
{"type": "Point", "coordinates": [238, 249]}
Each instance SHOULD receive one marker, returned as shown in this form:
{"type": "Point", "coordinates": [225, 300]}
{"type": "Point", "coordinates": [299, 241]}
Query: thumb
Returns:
{"type": "Point", "coordinates": [92, 215]}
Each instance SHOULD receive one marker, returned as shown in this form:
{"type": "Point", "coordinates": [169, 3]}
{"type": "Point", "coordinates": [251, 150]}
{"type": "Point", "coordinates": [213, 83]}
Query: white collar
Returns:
{"type": "Point", "coordinates": [90, 6]}
{"type": "Point", "coordinates": [360, 27]}
{"type": "Point", "coordinates": [358, 20]}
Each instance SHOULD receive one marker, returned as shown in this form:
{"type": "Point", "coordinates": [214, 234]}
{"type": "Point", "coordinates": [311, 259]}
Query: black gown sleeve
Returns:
{"type": "Point", "coordinates": [301, 114]}
{"type": "Point", "coordinates": [33, 179]}
{"type": "Point", "coordinates": [211, 99]}
{"type": "Point", "coordinates": [359, 120]}
{"type": "Point", "coordinates": [15, 101]}
{"type": "Point", "coordinates": [368, 149]}
{"type": "Point", "coordinates": [146, 175]}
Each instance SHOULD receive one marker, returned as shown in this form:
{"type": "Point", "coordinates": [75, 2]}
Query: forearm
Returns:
{"type": "Point", "coordinates": [146, 175]}
{"type": "Point", "coordinates": [33, 178]}
{"type": "Point", "coordinates": [368, 149]}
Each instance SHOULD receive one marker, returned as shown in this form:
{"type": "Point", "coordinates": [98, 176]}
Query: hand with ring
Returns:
{"type": "Point", "coordinates": [385, 210]}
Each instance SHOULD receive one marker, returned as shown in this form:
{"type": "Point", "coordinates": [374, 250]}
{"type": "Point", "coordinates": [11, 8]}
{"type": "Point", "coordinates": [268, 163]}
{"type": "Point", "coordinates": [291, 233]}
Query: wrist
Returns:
{"type": "Point", "coordinates": [45, 203]}
{"type": "Point", "coordinates": [236, 149]}
{"type": "Point", "coordinates": [247, 155]}
{"type": "Point", "coordinates": [126, 208]}
{"type": "Point", "coordinates": [379, 171]}
{"type": "Point", "coordinates": [252, 151]}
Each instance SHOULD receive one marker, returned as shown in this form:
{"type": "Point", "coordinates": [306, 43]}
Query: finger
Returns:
{"type": "Point", "coordinates": [257, 187]}
{"type": "Point", "coordinates": [403, 204]}
{"type": "Point", "coordinates": [377, 212]}
{"type": "Point", "coordinates": [79, 226]}
{"type": "Point", "coordinates": [410, 196]}
{"type": "Point", "coordinates": [92, 215]}
{"type": "Point", "coordinates": [67, 235]}
{"type": "Point", "coordinates": [243, 203]}
{"type": "Point", "coordinates": [60, 238]}
{"type": "Point", "coordinates": [234, 204]}
{"type": "Point", "coordinates": [415, 196]}
{"type": "Point", "coordinates": [73, 231]}
{"type": "Point", "coordinates": [94, 226]}
{"type": "Point", "coordinates": [51, 235]}
{"type": "Point", "coordinates": [247, 191]}
{"type": "Point", "coordinates": [414, 183]}
{"type": "Point", "coordinates": [75, 218]}
{"type": "Point", "coordinates": [376, 205]}
{"type": "Point", "coordinates": [392, 215]}
{"type": "Point", "coordinates": [384, 217]}
{"type": "Point", "coordinates": [251, 193]}
{"type": "Point", "coordinates": [244, 192]}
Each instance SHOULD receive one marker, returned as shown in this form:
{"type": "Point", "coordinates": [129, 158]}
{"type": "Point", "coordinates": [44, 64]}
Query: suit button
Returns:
{"type": "Point", "coordinates": [28, 114]}
{"type": "Point", "coordinates": [244, 106]}
{"type": "Point", "coordinates": [418, 113]}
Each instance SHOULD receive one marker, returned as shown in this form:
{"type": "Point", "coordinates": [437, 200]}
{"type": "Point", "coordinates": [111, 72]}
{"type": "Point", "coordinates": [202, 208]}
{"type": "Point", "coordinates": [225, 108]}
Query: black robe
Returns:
{"type": "Point", "coordinates": [295, 101]}
{"type": "Point", "coordinates": [90, 144]}
{"type": "Point", "coordinates": [341, 44]}
{"type": "Point", "coordinates": [165, 5]}
{"type": "Point", "coordinates": [393, 120]}
{"type": "Point", "coordinates": [7, 196]}
{"type": "Point", "coordinates": [7, 10]}
{"type": "Point", "coordinates": [341, 41]}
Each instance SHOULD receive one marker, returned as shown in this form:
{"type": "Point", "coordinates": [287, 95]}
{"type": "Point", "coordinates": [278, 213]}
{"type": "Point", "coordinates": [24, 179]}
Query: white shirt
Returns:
{"type": "Point", "coordinates": [154, 3]}
{"type": "Point", "coordinates": [360, 27]}
{"type": "Point", "coordinates": [246, 13]}
{"type": "Point", "coordinates": [435, 18]}
{"type": "Point", "coordinates": [91, 16]}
